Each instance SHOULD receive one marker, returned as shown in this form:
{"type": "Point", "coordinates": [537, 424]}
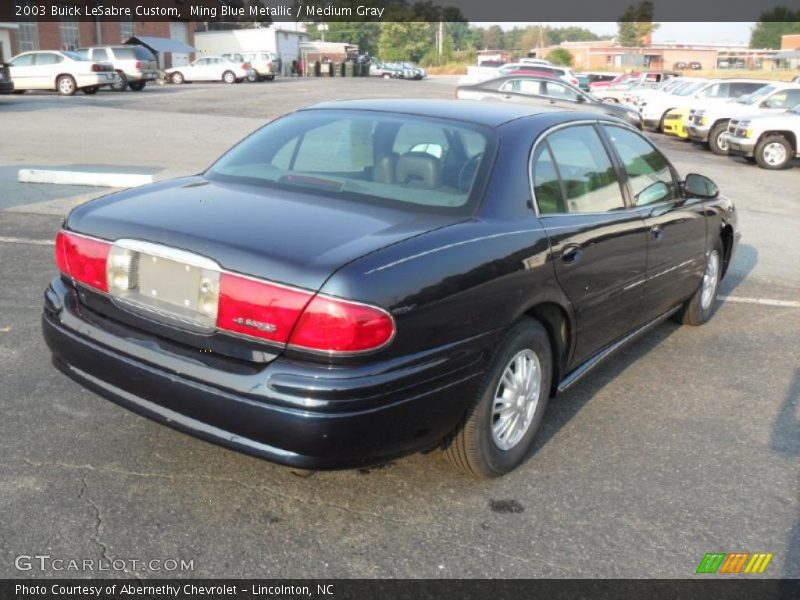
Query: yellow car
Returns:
{"type": "Point", "coordinates": [675, 122]}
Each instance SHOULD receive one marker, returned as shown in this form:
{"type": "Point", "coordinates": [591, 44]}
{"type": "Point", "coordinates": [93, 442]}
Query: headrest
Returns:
{"type": "Point", "coordinates": [419, 169]}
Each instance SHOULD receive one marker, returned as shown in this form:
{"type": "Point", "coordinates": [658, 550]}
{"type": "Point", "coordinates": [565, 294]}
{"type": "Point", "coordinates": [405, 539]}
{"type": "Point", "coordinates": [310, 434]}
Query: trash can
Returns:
{"type": "Point", "coordinates": [354, 69]}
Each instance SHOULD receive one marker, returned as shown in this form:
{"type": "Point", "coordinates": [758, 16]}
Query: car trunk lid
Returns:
{"type": "Point", "coordinates": [177, 234]}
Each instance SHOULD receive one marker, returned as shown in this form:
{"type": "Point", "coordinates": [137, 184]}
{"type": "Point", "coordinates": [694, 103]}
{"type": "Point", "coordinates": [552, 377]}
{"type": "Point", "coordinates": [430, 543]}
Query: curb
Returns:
{"type": "Point", "coordinates": [87, 178]}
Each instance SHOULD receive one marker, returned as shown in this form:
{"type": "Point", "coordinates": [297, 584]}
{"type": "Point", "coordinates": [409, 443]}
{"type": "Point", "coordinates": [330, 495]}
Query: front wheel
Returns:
{"type": "Point", "coordinates": [699, 308]}
{"type": "Point", "coordinates": [137, 86]}
{"type": "Point", "coordinates": [253, 78]}
{"type": "Point", "coordinates": [499, 428]}
{"type": "Point", "coordinates": [717, 140]}
{"type": "Point", "coordinates": [774, 152]}
{"type": "Point", "coordinates": [176, 78]}
{"type": "Point", "coordinates": [229, 77]}
{"type": "Point", "coordinates": [91, 90]}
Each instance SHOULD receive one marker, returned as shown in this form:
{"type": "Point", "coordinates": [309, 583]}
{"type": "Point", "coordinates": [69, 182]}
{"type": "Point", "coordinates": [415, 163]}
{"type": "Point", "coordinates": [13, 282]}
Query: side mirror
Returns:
{"type": "Point", "coordinates": [700, 186]}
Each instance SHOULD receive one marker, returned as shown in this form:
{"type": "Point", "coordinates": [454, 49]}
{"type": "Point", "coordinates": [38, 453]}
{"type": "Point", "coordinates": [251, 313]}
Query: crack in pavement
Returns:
{"type": "Point", "coordinates": [254, 488]}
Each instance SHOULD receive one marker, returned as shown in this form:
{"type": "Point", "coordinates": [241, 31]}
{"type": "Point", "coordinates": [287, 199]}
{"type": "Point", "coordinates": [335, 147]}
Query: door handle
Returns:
{"type": "Point", "coordinates": [571, 254]}
{"type": "Point", "coordinates": [657, 232]}
{"type": "Point", "coordinates": [507, 96]}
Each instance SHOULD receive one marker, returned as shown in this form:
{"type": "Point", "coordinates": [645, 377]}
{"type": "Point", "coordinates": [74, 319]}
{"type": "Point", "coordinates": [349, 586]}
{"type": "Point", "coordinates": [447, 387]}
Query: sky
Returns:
{"type": "Point", "coordinates": [709, 33]}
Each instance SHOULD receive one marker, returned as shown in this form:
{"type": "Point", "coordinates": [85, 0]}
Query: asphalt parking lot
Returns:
{"type": "Point", "coordinates": [686, 442]}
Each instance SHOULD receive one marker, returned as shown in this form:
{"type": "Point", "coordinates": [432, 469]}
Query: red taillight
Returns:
{"type": "Point", "coordinates": [259, 308]}
{"type": "Point", "coordinates": [573, 81]}
{"type": "Point", "coordinates": [332, 325]}
{"type": "Point", "coordinates": [138, 65]}
{"type": "Point", "coordinates": [245, 66]}
{"type": "Point", "coordinates": [299, 318]}
{"type": "Point", "coordinates": [83, 259]}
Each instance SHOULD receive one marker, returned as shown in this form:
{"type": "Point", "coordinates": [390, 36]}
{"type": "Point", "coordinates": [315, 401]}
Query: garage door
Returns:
{"type": "Point", "coordinates": [178, 30]}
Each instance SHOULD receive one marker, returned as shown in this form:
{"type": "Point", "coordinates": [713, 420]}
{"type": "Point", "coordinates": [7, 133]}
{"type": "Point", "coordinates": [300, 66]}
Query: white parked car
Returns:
{"type": "Point", "coordinates": [655, 107]}
{"type": "Point", "coordinates": [709, 123]}
{"type": "Point", "coordinates": [211, 68]}
{"type": "Point", "coordinates": [480, 73]}
{"type": "Point", "coordinates": [772, 140]}
{"type": "Point", "coordinates": [64, 72]}
{"type": "Point", "coordinates": [640, 96]}
{"type": "Point", "coordinates": [714, 91]}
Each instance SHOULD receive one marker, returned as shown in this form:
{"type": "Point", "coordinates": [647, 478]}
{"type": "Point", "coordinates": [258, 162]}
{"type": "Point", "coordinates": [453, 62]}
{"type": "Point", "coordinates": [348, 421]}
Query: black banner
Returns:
{"type": "Point", "coordinates": [638, 589]}
{"type": "Point", "coordinates": [396, 10]}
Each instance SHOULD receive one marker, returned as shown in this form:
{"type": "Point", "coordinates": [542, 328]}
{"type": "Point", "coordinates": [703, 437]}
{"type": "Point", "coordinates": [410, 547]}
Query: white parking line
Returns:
{"type": "Point", "coordinates": [761, 301]}
{"type": "Point", "coordinates": [16, 240]}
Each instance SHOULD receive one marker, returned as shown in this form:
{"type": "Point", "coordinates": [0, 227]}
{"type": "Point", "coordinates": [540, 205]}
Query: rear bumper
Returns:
{"type": "Point", "coordinates": [96, 79]}
{"type": "Point", "coordinates": [297, 414]}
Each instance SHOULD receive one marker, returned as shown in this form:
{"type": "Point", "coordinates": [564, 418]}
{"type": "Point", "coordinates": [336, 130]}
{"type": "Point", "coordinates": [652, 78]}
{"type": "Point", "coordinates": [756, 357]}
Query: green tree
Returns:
{"type": "Point", "coordinates": [772, 25]}
{"type": "Point", "coordinates": [493, 38]}
{"type": "Point", "coordinates": [363, 34]}
{"type": "Point", "coordinates": [636, 23]}
{"type": "Point", "coordinates": [405, 40]}
{"type": "Point", "coordinates": [560, 56]}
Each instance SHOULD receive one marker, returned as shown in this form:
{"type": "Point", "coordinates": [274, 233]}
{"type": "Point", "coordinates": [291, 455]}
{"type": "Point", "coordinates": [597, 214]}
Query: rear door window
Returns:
{"type": "Point", "coordinates": [48, 58]}
{"type": "Point", "coordinates": [588, 180]}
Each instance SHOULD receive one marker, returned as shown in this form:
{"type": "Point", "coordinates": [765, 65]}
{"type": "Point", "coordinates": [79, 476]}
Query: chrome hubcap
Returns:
{"type": "Point", "coordinates": [516, 399]}
{"type": "Point", "coordinates": [774, 154]}
{"type": "Point", "coordinates": [66, 85]}
{"type": "Point", "coordinates": [710, 280]}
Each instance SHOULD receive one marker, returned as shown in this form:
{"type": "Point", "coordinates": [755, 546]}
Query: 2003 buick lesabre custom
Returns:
{"type": "Point", "coordinates": [361, 280]}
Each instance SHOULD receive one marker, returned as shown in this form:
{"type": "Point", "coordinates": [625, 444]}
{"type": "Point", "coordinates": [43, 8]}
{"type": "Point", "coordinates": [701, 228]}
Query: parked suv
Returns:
{"type": "Point", "coordinates": [709, 123]}
{"type": "Point", "coordinates": [135, 65]}
{"type": "Point", "coordinates": [772, 140]}
{"type": "Point", "coordinates": [266, 65]}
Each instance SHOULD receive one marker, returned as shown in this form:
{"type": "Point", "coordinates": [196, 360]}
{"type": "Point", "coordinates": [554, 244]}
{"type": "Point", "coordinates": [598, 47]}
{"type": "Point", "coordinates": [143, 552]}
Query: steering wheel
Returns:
{"type": "Point", "coordinates": [467, 173]}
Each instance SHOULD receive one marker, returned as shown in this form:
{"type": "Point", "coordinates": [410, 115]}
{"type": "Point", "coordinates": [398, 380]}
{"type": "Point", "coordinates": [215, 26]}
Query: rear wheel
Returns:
{"type": "Point", "coordinates": [699, 308]}
{"type": "Point", "coordinates": [498, 430]}
{"type": "Point", "coordinates": [229, 77]}
{"type": "Point", "coordinates": [120, 83]}
{"type": "Point", "coordinates": [137, 86]}
{"type": "Point", "coordinates": [91, 90]}
{"type": "Point", "coordinates": [717, 140]}
{"type": "Point", "coordinates": [66, 85]}
{"type": "Point", "coordinates": [774, 152]}
{"type": "Point", "coordinates": [270, 77]}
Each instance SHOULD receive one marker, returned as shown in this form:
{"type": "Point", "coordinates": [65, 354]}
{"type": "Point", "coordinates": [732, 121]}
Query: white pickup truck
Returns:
{"type": "Point", "coordinates": [709, 123]}
{"type": "Point", "coordinates": [772, 140]}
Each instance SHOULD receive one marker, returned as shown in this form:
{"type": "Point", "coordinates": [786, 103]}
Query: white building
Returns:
{"type": "Point", "coordinates": [284, 42]}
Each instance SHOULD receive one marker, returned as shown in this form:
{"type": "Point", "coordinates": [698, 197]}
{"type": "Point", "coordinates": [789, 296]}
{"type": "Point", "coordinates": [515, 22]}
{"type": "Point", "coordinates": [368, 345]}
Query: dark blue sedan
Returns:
{"type": "Point", "coordinates": [361, 280]}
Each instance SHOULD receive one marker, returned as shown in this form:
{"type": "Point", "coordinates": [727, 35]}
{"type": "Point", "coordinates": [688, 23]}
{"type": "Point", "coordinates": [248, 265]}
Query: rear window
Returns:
{"type": "Point", "coordinates": [133, 53]}
{"type": "Point", "coordinates": [380, 158]}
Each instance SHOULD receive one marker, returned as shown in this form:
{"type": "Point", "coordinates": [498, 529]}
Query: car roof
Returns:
{"type": "Point", "coordinates": [486, 113]}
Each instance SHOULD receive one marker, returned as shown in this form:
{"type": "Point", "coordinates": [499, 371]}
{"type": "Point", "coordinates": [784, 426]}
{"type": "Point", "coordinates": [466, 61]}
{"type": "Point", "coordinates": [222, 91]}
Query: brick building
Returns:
{"type": "Point", "coordinates": [609, 55]}
{"type": "Point", "coordinates": [69, 35]}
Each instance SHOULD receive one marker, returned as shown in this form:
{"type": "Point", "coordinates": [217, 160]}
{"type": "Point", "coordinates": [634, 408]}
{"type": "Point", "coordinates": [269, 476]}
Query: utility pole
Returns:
{"type": "Point", "coordinates": [441, 37]}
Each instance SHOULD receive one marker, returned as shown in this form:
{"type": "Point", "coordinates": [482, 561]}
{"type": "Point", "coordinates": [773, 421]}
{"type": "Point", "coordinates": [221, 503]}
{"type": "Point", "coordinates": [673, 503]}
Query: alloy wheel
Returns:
{"type": "Point", "coordinates": [710, 280]}
{"type": "Point", "coordinates": [774, 154]}
{"type": "Point", "coordinates": [516, 399]}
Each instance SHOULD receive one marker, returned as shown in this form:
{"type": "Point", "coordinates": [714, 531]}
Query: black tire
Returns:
{"type": "Point", "coordinates": [661, 122]}
{"type": "Point", "coordinates": [20, 92]}
{"type": "Point", "coordinates": [137, 86]}
{"type": "Point", "coordinates": [66, 86]}
{"type": "Point", "coordinates": [177, 78]}
{"type": "Point", "coordinates": [694, 311]}
{"type": "Point", "coordinates": [253, 78]}
{"type": "Point", "coordinates": [121, 83]}
{"type": "Point", "coordinates": [270, 77]}
{"type": "Point", "coordinates": [768, 153]}
{"type": "Point", "coordinates": [229, 77]}
{"type": "Point", "coordinates": [91, 90]}
{"type": "Point", "coordinates": [472, 447]}
{"type": "Point", "coordinates": [717, 145]}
